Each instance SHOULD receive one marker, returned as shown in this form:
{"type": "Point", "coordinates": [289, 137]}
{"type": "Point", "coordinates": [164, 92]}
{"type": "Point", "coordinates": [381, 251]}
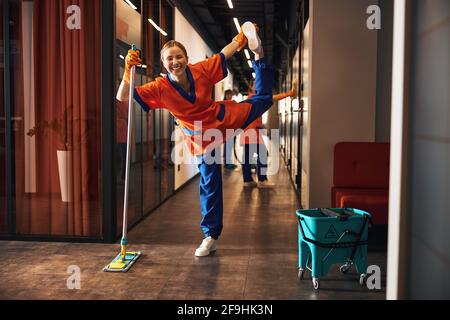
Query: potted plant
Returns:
{"type": "Point", "coordinates": [68, 141]}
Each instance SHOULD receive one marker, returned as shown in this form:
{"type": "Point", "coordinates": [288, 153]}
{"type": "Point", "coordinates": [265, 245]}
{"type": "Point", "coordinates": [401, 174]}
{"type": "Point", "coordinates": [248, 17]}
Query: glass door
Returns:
{"type": "Point", "coordinates": [3, 213]}
{"type": "Point", "coordinates": [152, 120]}
{"type": "Point", "coordinates": [147, 24]}
{"type": "Point", "coordinates": [304, 98]}
{"type": "Point", "coordinates": [282, 125]}
{"type": "Point", "coordinates": [288, 121]}
{"type": "Point", "coordinates": [296, 117]}
{"type": "Point", "coordinates": [167, 120]}
{"type": "Point", "coordinates": [128, 32]}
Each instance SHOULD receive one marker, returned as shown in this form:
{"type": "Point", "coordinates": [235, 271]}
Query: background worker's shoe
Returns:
{"type": "Point", "coordinates": [250, 184]}
{"type": "Point", "coordinates": [266, 184]}
{"type": "Point", "coordinates": [230, 166]}
{"type": "Point", "coordinates": [250, 30]}
{"type": "Point", "coordinates": [207, 247]}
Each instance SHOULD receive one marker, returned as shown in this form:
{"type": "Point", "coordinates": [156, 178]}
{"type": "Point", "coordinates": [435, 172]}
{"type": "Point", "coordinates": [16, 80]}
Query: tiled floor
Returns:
{"type": "Point", "coordinates": [256, 257]}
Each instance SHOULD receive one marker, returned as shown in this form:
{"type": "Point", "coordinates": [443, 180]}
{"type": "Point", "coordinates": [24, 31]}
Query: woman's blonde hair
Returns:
{"type": "Point", "coordinates": [170, 44]}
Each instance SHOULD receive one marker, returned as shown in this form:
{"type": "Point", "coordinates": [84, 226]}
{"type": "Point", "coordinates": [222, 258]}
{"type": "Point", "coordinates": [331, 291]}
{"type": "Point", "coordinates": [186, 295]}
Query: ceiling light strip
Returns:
{"type": "Point", "coordinates": [157, 27]}
{"type": "Point", "coordinates": [131, 4]}
{"type": "Point", "coordinates": [236, 23]}
{"type": "Point", "coordinates": [247, 54]}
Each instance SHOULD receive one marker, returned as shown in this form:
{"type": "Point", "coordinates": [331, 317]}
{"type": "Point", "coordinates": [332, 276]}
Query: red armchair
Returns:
{"type": "Point", "coordinates": [361, 178]}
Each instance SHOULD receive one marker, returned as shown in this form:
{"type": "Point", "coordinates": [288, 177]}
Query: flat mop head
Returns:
{"type": "Point", "coordinates": [122, 265]}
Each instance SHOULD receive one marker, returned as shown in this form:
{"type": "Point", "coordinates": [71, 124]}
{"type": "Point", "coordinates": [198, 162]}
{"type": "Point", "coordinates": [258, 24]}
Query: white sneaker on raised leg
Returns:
{"type": "Point", "coordinates": [254, 42]}
{"type": "Point", "coordinates": [206, 248]}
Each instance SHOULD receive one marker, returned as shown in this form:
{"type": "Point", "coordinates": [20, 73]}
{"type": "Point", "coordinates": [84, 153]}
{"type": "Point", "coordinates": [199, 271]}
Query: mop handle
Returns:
{"type": "Point", "coordinates": [128, 161]}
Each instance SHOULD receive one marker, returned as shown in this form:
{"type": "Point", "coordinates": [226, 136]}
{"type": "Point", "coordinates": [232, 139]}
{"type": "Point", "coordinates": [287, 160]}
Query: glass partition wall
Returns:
{"type": "Point", "coordinates": [147, 24]}
{"type": "Point", "coordinates": [3, 182]}
{"type": "Point", "coordinates": [52, 123]}
{"type": "Point", "coordinates": [292, 111]}
{"type": "Point", "coordinates": [54, 112]}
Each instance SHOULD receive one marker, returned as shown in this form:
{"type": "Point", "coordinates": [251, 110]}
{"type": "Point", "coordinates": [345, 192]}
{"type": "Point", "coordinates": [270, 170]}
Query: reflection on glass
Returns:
{"type": "Point", "coordinates": [134, 209]}
{"type": "Point", "coordinates": [129, 31]}
{"type": "Point", "coordinates": [151, 119]}
{"type": "Point", "coordinates": [151, 179]}
{"type": "Point", "coordinates": [152, 174]}
{"type": "Point", "coordinates": [167, 126]}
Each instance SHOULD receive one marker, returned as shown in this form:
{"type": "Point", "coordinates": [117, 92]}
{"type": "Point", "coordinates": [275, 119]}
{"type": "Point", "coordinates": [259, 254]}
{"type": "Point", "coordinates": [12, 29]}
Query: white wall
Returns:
{"type": "Point", "coordinates": [428, 135]}
{"type": "Point", "coordinates": [343, 87]}
{"type": "Point", "coordinates": [197, 50]}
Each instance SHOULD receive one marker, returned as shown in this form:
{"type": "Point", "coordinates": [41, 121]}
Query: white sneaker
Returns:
{"type": "Point", "coordinates": [266, 184]}
{"type": "Point", "coordinates": [206, 248]}
{"type": "Point", "coordinates": [250, 184]}
{"type": "Point", "coordinates": [254, 42]}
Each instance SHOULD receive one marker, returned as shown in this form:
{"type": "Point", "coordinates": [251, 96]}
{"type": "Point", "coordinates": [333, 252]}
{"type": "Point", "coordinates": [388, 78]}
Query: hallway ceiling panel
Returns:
{"type": "Point", "coordinates": [216, 18]}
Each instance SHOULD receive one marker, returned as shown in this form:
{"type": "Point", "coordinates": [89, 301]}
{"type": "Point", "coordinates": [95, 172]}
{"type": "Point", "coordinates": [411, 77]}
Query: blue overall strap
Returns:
{"type": "Point", "coordinates": [192, 132]}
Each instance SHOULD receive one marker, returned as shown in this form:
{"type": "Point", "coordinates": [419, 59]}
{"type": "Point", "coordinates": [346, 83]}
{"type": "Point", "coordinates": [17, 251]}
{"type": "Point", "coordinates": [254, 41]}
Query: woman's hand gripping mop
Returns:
{"type": "Point", "coordinates": [124, 260]}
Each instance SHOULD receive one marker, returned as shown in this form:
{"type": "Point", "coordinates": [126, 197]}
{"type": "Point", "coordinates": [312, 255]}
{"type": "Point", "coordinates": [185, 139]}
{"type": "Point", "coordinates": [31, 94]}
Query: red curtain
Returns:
{"type": "Point", "coordinates": [67, 96]}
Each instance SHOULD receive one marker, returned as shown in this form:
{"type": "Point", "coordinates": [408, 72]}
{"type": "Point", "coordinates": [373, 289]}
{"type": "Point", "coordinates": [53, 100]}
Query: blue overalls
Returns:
{"type": "Point", "coordinates": [261, 162]}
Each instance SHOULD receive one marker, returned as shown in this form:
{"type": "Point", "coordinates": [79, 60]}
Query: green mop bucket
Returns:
{"type": "Point", "coordinates": [330, 236]}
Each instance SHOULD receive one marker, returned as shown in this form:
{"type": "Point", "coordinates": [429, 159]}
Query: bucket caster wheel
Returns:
{"type": "Point", "coordinates": [363, 279]}
{"type": "Point", "coordinates": [315, 282]}
{"type": "Point", "coordinates": [344, 268]}
{"type": "Point", "coordinates": [301, 273]}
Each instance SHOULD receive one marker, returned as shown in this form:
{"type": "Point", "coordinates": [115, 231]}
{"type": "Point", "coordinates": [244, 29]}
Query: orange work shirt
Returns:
{"type": "Point", "coordinates": [197, 104]}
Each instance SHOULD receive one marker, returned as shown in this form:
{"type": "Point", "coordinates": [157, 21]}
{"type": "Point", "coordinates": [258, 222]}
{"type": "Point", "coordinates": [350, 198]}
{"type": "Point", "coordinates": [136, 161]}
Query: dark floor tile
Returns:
{"type": "Point", "coordinates": [256, 258]}
{"type": "Point", "coordinates": [201, 289]}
